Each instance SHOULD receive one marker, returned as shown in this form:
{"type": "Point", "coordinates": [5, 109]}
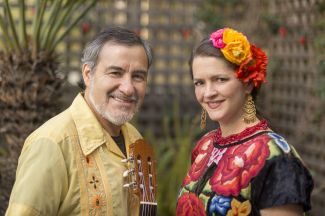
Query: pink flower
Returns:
{"type": "Point", "coordinates": [217, 39]}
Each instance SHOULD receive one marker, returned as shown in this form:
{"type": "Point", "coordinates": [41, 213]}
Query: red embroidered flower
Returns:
{"type": "Point", "coordinates": [200, 156]}
{"type": "Point", "coordinates": [254, 67]}
{"type": "Point", "coordinates": [186, 180]}
{"type": "Point", "coordinates": [239, 165]}
{"type": "Point", "coordinates": [189, 205]}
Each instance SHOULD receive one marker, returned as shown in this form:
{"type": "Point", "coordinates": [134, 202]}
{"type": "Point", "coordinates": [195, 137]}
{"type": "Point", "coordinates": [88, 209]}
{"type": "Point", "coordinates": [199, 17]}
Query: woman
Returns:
{"type": "Point", "coordinates": [243, 167]}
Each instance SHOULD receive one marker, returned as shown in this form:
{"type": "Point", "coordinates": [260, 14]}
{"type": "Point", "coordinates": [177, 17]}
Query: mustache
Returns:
{"type": "Point", "coordinates": [122, 96]}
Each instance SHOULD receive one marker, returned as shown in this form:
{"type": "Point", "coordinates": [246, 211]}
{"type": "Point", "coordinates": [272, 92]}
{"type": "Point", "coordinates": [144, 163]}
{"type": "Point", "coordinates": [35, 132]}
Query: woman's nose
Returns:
{"type": "Point", "coordinates": [210, 91]}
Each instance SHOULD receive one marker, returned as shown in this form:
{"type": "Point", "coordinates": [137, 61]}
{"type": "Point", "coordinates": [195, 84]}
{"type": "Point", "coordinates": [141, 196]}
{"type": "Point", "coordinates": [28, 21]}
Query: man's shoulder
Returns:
{"type": "Point", "coordinates": [56, 128]}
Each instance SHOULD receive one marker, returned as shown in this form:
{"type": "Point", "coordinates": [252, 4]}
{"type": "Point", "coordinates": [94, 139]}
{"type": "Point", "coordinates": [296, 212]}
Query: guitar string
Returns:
{"type": "Point", "coordinates": [144, 192]}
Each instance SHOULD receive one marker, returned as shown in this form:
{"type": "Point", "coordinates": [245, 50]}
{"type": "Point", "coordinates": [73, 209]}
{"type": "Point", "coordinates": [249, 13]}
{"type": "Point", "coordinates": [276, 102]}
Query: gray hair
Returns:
{"type": "Point", "coordinates": [116, 35]}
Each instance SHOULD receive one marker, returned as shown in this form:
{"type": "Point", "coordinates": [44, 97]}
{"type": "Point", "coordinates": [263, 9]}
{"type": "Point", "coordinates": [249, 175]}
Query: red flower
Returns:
{"type": "Point", "coordinates": [186, 33]}
{"type": "Point", "coordinates": [200, 156]}
{"type": "Point", "coordinates": [239, 165]}
{"type": "Point", "coordinates": [189, 205]}
{"type": "Point", "coordinates": [254, 68]}
{"type": "Point", "coordinates": [302, 40]}
{"type": "Point", "coordinates": [283, 32]}
{"type": "Point", "coordinates": [85, 27]}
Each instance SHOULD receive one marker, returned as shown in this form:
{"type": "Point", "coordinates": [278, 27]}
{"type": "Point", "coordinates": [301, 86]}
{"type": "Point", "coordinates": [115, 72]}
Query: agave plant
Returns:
{"type": "Point", "coordinates": [29, 80]}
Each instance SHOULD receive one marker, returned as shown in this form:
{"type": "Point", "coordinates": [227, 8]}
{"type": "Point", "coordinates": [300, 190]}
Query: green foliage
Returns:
{"type": "Point", "coordinates": [49, 25]}
{"type": "Point", "coordinates": [272, 22]}
{"type": "Point", "coordinates": [214, 12]}
{"type": "Point", "coordinates": [173, 152]}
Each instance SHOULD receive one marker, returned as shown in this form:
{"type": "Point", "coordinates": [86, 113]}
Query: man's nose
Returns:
{"type": "Point", "coordinates": [126, 86]}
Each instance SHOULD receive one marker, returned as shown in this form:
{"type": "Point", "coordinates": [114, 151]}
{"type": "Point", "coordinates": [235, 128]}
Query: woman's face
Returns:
{"type": "Point", "coordinates": [218, 90]}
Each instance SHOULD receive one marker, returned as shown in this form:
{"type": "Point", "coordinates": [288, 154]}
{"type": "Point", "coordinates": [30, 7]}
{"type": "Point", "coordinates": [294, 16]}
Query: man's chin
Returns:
{"type": "Point", "coordinates": [119, 120]}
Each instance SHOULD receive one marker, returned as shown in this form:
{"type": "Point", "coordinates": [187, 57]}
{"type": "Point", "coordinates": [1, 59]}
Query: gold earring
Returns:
{"type": "Point", "coordinates": [249, 110]}
{"type": "Point", "coordinates": [203, 119]}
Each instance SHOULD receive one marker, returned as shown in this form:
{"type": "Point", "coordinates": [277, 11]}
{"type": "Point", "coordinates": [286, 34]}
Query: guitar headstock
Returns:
{"type": "Point", "coordinates": [142, 172]}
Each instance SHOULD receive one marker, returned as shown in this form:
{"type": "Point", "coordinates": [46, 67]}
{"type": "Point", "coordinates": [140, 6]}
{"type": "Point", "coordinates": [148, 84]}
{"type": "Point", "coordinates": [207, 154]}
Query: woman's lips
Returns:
{"type": "Point", "coordinates": [214, 104]}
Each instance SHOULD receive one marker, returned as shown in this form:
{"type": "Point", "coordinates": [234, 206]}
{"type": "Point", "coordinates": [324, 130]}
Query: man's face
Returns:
{"type": "Point", "coordinates": [116, 87]}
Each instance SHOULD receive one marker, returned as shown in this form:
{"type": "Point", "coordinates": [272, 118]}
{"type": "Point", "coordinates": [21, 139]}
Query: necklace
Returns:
{"type": "Point", "coordinates": [217, 138]}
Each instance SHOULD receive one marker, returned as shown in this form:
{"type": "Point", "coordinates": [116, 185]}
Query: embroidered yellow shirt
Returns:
{"type": "Point", "coordinates": [72, 166]}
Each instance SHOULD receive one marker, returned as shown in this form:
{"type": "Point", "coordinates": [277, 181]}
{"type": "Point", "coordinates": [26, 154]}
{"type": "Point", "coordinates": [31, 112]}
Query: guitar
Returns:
{"type": "Point", "coordinates": [142, 176]}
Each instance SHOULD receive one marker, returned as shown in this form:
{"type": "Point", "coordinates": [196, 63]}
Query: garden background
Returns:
{"type": "Point", "coordinates": [292, 32]}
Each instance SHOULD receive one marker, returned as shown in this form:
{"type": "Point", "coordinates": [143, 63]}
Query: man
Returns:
{"type": "Point", "coordinates": [72, 165]}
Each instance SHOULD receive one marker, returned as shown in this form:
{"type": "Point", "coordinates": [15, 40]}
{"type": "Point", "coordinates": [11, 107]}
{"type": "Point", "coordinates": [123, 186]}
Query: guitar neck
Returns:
{"type": "Point", "coordinates": [148, 209]}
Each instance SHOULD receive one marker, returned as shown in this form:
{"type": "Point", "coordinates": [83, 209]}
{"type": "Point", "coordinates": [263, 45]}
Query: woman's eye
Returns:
{"type": "Point", "coordinates": [221, 79]}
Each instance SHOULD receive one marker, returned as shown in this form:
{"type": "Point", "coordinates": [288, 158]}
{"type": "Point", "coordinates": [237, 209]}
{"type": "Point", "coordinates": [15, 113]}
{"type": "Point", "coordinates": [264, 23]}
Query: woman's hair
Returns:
{"type": "Point", "coordinates": [206, 49]}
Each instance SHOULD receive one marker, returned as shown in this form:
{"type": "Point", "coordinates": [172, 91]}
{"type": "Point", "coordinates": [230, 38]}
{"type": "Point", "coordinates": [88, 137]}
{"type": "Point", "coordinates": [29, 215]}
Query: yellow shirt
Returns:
{"type": "Point", "coordinates": [72, 166]}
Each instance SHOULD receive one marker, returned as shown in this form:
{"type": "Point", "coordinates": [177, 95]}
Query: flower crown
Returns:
{"type": "Point", "coordinates": [235, 47]}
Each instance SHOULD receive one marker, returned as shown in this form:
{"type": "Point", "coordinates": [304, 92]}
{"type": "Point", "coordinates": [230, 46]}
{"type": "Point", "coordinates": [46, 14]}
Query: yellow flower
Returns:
{"type": "Point", "coordinates": [239, 209]}
{"type": "Point", "coordinates": [237, 48]}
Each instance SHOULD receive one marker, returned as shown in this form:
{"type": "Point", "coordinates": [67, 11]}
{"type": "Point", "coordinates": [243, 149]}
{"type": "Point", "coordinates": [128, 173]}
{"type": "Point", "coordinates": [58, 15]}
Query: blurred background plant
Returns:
{"type": "Point", "coordinates": [30, 82]}
{"type": "Point", "coordinates": [172, 152]}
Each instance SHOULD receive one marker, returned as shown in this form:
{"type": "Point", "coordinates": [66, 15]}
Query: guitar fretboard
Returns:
{"type": "Point", "coordinates": [148, 209]}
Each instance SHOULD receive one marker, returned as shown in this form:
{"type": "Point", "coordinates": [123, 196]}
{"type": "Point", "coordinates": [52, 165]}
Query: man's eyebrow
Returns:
{"type": "Point", "coordinates": [145, 72]}
{"type": "Point", "coordinates": [116, 68]}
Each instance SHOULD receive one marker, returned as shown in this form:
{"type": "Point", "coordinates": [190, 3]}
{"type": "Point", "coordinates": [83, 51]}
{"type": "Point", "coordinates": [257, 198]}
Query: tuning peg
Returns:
{"type": "Point", "coordinates": [126, 160]}
{"type": "Point", "coordinates": [127, 172]}
{"type": "Point", "coordinates": [132, 184]}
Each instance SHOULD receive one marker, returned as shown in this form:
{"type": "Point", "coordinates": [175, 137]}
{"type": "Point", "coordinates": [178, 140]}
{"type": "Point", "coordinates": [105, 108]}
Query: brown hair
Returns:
{"type": "Point", "coordinates": [206, 48]}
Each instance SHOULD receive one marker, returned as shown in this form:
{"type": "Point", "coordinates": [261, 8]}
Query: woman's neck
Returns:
{"type": "Point", "coordinates": [236, 127]}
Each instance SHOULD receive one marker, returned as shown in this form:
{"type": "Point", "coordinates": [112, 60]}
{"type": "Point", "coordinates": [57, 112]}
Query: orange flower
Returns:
{"type": "Point", "coordinates": [240, 208]}
{"type": "Point", "coordinates": [97, 202]}
{"type": "Point", "coordinates": [237, 48]}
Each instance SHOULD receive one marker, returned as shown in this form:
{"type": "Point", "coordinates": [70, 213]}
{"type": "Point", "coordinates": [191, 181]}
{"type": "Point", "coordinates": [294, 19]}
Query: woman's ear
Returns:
{"type": "Point", "coordinates": [249, 87]}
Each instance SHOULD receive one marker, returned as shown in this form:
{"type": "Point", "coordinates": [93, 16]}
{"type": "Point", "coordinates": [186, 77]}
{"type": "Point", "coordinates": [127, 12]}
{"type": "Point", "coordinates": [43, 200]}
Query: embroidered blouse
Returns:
{"type": "Point", "coordinates": [242, 174]}
{"type": "Point", "coordinates": [72, 166]}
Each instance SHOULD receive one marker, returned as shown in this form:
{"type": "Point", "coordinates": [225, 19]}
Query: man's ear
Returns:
{"type": "Point", "coordinates": [86, 74]}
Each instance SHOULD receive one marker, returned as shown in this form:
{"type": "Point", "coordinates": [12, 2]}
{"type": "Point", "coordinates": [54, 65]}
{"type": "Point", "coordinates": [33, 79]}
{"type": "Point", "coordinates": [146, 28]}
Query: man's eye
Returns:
{"type": "Point", "coordinates": [139, 77]}
{"type": "Point", "coordinates": [198, 83]}
{"type": "Point", "coordinates": [115, 73]}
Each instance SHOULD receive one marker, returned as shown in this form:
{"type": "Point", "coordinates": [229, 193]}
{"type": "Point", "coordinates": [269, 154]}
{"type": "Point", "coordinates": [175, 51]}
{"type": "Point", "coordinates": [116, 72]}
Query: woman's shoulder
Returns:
{"type": "Point", "coordinates": [205, 143]}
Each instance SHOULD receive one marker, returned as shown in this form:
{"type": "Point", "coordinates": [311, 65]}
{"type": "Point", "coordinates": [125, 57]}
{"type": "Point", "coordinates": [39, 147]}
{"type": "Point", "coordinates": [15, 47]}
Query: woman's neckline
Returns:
{"type": "Point", "coordinates": [233, 138]}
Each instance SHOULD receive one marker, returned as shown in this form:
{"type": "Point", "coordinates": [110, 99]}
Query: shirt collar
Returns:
{"type": "Point", "coordinates": [90, 131]}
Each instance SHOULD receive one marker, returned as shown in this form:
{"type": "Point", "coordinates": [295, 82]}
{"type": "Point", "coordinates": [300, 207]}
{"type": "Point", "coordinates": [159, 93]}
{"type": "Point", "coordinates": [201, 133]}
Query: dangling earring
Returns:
{"type": "Point", "coordinates": [249, 110]}
{"type": "Point", "coordinates": [203, 119]}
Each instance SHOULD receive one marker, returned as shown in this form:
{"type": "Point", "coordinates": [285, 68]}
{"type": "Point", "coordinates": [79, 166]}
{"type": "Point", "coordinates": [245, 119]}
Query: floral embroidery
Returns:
{"type": "Point", "coordinates": [239, 165]}
{"type": "Point", "coordinates": [220, 204]}
{"type": "Point", "coordinates": [189, 204]}
{"type": "Point", "coordinates": [204, 149]}
{"type": "Point", "coordinates": [97, 203]}
{"type": "Point", "coordinates": [240, 208]}
{"type": "Point", "coordinates": [281, 142]}
{"type": "Point", "coordinates": [94, 182]}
